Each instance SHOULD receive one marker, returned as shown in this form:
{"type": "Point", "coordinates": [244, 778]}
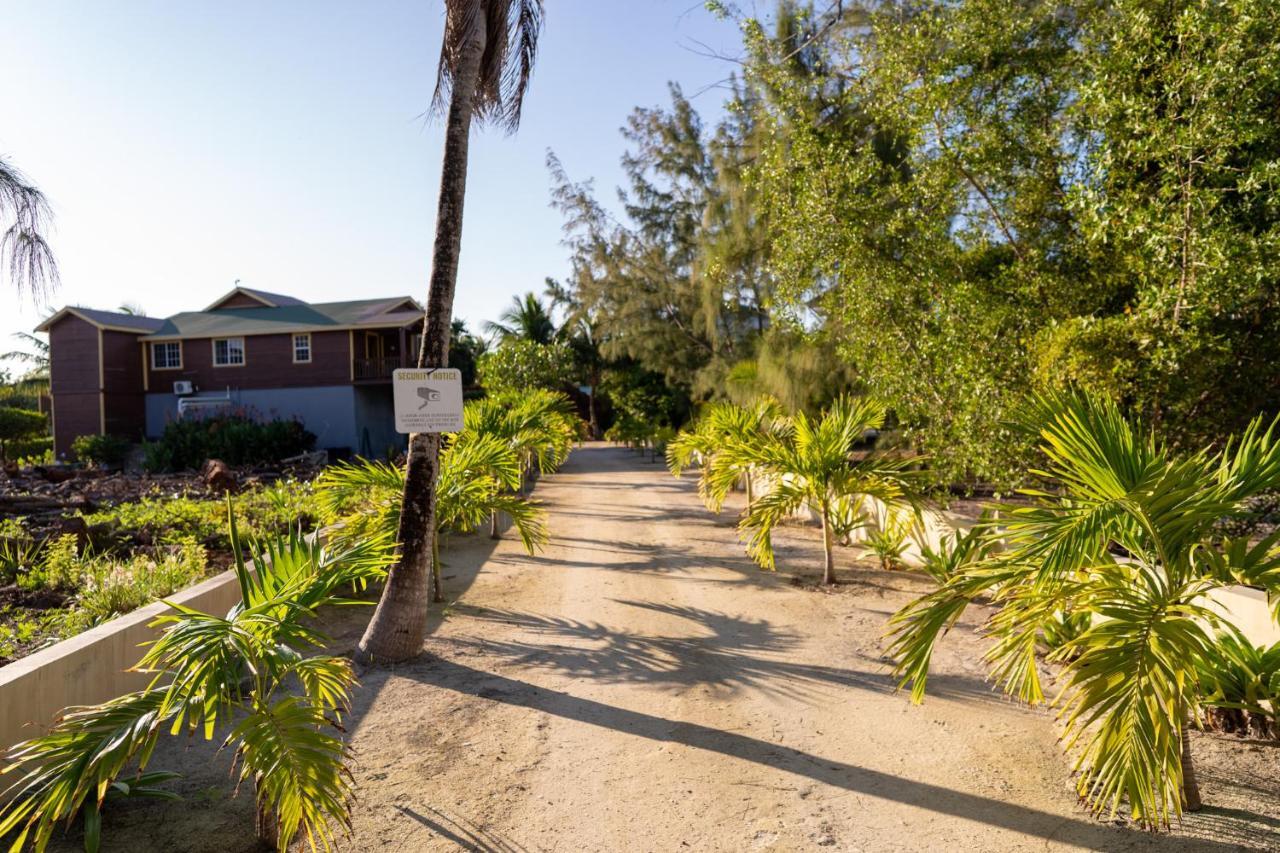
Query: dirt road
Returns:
{"type": "Point", "coordinates": [640, 686]}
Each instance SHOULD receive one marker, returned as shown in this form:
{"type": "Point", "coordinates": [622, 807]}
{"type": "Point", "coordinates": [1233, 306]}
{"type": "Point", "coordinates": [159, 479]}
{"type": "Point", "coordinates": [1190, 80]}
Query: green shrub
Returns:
{"type": "Point", "coordinates": [18, 630]}
{"type": "Point", "coordinates": [171, 520]}
{"type": "Point", "coordinates": [108, 450]}
{"type": "Point", "coordinates": [19, 555]}
{"type": "Point", "coordinates": [1240, 683]}
{"type": "Point", "coordinates": [958, 550]}
{"type": "Point", "coordinates": [30, 451]}
{"type": "Point", "coordinates": [18, 425]}
{"type": "Point", "coordinates": [60, 569]}
{"type": "Point", "coordinates": [236, 438]}
{"type": "Point", "coordinates": [115, 587]}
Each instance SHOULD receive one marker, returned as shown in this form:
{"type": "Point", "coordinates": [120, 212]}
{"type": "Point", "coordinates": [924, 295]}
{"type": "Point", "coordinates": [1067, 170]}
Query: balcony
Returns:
{"type": "Point", "coordinates": [367, 369]}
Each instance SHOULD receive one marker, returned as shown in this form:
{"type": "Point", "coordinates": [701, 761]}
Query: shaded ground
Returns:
{"type": "Point", "coordinates": [641, 686]}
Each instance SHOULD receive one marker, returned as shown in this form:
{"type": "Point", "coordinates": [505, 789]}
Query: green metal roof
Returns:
{"type": "Point", "coordinates": [228, 322]}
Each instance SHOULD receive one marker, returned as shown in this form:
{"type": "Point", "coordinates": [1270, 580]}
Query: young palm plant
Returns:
{"type": "Point", "coordinates": [810, 463]}
{"type": "Point", "coordinates": [1129, 538]}
{"type": "Point", "coordinates": [245, 671]}
{"type": "Point", "coordinates": [720, 425]}
{"type": "Point", "coordinates": [540, 426]}
{"type": "Point", "coordinates": [479, 476]}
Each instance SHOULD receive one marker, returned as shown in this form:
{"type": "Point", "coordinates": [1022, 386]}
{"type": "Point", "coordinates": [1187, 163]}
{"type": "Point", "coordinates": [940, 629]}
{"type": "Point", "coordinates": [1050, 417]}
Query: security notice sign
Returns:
{"type": "Point", "coordinates": [427, 400]}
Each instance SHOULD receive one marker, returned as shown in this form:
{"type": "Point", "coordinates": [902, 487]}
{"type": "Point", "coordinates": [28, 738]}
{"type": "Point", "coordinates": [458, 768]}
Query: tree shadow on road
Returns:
{"type": "Point", "coordinates": [720, 651]}
{"type": "Point", "coordinates": [1224, 829]}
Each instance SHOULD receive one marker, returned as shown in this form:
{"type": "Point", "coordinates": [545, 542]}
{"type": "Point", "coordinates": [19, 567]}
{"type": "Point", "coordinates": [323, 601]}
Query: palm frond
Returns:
{"type": "Point", "coordinates": [506, 34]}
{"type": "Point", "coordinates": [80, 757]}
{"type": "Point", "coordinates": [297, 768]}
{"type": "Point", "coordinates": [24, 251]}
{"type": "Point", "coordinates": [766, 514]}
{"type": "Point", "coordinates": [1129, 687]}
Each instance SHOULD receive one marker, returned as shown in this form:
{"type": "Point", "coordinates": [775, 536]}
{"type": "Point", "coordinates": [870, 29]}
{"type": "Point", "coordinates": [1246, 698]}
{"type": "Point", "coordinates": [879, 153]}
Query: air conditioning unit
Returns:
{"type": "Point", "coordinates": [183, 387]}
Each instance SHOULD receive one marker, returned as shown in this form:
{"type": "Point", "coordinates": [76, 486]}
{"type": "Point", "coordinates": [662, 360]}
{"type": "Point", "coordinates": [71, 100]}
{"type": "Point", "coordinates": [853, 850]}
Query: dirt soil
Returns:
{"type": "Point", "coordinates": [641, 686]}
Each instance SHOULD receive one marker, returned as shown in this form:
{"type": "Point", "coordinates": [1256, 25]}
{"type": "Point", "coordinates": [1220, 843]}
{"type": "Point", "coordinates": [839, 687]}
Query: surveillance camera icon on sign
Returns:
{"type": "Point", "coordinates": [428, 395]}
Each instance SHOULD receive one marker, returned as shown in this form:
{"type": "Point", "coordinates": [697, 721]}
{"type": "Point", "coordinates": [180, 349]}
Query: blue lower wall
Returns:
{"type": "Point", "coordinates": [376, 423]}
{"type": "Point", "coordinates": [328, 411]}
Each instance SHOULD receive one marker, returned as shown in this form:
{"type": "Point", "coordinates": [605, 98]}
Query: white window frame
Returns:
{"type": "Point", "coordinates": [155, 346]}
{"type": "Point", "coordinates": [243, 355]}
{"type": "Point", "coordinates": [298, 338]}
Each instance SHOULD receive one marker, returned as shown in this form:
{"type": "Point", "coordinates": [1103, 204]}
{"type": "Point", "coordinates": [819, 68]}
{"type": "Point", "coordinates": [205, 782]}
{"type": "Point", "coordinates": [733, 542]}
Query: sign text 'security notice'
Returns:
{"type": "Point", "coordinates": [427, 400]}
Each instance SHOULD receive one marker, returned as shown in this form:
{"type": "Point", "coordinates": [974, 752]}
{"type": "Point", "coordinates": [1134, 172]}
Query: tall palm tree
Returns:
{"type": "Point", "coordinates": [485, 65]}
{"type": "Point", "coordinates": [527, 319]}
{"type": "Point", "coordinates": [24, 252]}
{"type": "Point", "coordinates": [1131, 677]}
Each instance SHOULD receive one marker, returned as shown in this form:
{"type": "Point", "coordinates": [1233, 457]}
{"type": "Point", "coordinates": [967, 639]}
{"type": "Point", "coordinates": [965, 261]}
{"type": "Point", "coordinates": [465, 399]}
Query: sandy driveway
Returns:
{"type": "Point", "coordinates": [640, 686]}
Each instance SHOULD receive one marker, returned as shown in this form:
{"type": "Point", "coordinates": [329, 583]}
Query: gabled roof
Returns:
{"type": "Point", "coordinates": [105, 320]}
{"type": "Point", "coordinates": [296, 317]}
{"type": "Point", "coordinates": [268, 300]}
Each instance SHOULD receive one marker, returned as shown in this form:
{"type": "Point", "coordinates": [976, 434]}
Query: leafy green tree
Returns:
{"type": "Point", "coordinates": [18, 425]}
{"type": "Point", "coordinates": [486, 62]}
{"type": "Point", "coordinates": [978, 200]}
{"type": "Point", "coordinates": [244, 672]}
{"type": "Point", "coordinates": [678, 285]}
{"type": "Point", "coordinates": [1131, 676]}
{"type": "Point", "coordinates": [517, 365]}
{"type": "Point", "coordinates": [1177, 212]}
{"type": "Point", "coordinates": [581, 332]}
{"type": "Point", "coordinates": [811, 465]}
{"type": "Point", "coordinates": [642, 397]}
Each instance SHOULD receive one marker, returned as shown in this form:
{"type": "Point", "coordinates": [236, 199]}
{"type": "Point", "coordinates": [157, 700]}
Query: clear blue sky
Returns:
{"type": "Point", "coordinates": [186, 145]}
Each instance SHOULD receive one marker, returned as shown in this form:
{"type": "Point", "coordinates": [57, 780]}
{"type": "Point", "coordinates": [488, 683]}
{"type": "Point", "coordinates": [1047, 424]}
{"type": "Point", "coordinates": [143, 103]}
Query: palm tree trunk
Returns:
{"type": "Point", "coordinates": [591, 411]}
{"type": "Point", "coordinates": [437, 587]}
{"type": "Point", "coordinates": [1190, 785]}
{"type": "Point", "coordinates": [829, 563]}
{"type": "Point", "coordinates": [399, 623]}
{"type": "Point", "coordinates": [746, 475]}
{"type": "Point", "coordinates": [266, 826]}
{"type": "Point", "coordinates": [493, 525]}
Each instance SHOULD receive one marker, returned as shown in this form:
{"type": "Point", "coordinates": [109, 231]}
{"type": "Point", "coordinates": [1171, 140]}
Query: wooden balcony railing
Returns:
{"type": "Point", "coordinates": [376, 368]}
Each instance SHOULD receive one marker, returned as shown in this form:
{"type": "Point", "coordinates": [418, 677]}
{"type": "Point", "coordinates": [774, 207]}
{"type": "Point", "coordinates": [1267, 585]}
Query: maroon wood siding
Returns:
{"type": "Point", "coordinates": [268, 364]}
{"type": "Point", "coordinates": [239, 300]}
{"type": "Point", "coordinates": [125, 405]}
{"type": "Point", "coordinates": [73, 381]}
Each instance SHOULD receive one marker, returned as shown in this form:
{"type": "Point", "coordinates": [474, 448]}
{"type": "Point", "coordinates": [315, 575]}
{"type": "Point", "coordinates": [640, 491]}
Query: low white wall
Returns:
{"type": "Point", "coordinates": [1244, 607]}
{"type": "Point", "coordinates": [90, 668]}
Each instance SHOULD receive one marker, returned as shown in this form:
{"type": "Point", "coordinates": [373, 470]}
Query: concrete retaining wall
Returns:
{"type": "Point", "coordinates": [91, 667]}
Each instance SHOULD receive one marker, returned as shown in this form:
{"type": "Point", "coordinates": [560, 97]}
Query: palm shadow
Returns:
{"type": "Point", "coordinates": [719, 651]}
{"type": "Point", "coordinates": [1231, 828]}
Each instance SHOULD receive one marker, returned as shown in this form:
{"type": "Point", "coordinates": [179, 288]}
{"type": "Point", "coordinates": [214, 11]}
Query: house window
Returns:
{"type": "Point", "coordinates": [166, 355]}
{"type": "Point", "coordinates": [302, 348]}
{"type": "Point", "coordinates": [228, 352]}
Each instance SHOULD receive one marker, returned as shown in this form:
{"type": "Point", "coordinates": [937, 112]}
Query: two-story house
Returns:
{"type": "Point", "coordinates": [326, 364]}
